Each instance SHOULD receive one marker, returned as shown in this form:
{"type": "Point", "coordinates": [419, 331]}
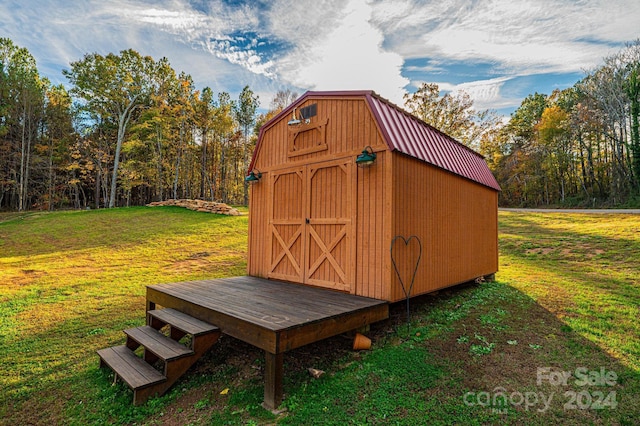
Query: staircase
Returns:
{"type": "Point", "coordinates": [164, 358]}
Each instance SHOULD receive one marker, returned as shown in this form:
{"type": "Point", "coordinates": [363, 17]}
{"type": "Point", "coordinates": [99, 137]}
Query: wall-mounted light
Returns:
{"type": "Point", "coordinates": [253, 176]}
{"type": "Point", "coordinates": [294, 120]}
{"type": "Point", "coordinates": [367, 158]}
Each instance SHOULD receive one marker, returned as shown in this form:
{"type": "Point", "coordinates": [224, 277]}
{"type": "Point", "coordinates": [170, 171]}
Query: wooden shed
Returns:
{"type": "Point", "coordinates": [318, 219]}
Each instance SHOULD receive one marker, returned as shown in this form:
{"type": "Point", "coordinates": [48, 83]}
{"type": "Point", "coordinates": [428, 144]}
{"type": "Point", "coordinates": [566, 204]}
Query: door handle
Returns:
{"type": "Point", "coordinates": [307, 220]}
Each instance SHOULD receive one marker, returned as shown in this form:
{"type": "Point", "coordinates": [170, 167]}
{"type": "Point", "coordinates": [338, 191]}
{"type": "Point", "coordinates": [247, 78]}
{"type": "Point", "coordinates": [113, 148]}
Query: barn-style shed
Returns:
{"type": "Point", "coordinates": [337, 176]}
{"type": "Point", "coordinates": [316, 218]}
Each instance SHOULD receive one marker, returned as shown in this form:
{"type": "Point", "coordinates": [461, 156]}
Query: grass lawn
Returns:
{"type": "Point", "coordinates": [556, 339]}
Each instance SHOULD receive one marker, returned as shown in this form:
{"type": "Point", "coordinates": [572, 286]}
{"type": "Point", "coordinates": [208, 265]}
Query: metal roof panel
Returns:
{"type": "Point", "coordinates": [412, 136]}
{"type": "Point", "coordinates": [408, 134]}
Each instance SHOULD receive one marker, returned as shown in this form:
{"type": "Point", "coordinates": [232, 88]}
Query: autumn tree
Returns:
{"type": "Point", "coordinates": [113, 88]}
{"type": "Point", "coordinates": [57, 146]}
{"type": "Point", "coordinates": [223, 131]}
{"type": "Point", "coordinates": [22, 97]}
{"type": "Point", "coordinates": [451, 113]}
{"type": "Point", "coordinates": [205, 112]}
{"type": "Point", "coordinates": [245, 114]}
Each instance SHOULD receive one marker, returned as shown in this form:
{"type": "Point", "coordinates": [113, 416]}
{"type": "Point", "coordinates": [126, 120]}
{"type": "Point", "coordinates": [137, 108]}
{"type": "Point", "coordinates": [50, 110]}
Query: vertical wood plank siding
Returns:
{"type": "Point", "coordinates": [373, 222]}
{"type": "Point", "coordinates": [316, 218]}
{"type": "Point", "coordinates": [350, 127]}
{"type": "Point", "coordinates": [455, 219]}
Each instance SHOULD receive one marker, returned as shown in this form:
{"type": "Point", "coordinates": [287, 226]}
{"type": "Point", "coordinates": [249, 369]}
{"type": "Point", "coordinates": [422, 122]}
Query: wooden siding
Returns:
{"type": "Point", "coordinates": [305, 210]}
{"type": "Point", "coordinates": [258, 208]}
{"type": "Point", "coordinates": [373, 264]}
{"type": "Point", "coordinates": [455, 219]}
{"type": "Point", "coordinates": [316, 218]}
{"type": "Point", "coordinates": [349, 128]}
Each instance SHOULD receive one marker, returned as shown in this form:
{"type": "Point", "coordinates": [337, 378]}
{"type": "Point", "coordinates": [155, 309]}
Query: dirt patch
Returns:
{"type": "Point", "coordinates": [539, 250]}
{"type": "Point", "coordinates": [527, 338]}
{"type": "Point", "coordinates": [189, 265]}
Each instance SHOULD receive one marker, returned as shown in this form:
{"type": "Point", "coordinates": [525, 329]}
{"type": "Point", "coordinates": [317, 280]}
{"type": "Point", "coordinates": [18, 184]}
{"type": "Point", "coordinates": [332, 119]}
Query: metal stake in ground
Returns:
{"type": "Point", "coordinates": [407, 292]}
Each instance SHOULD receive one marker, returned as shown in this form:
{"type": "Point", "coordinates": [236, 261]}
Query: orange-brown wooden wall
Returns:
{"type": "Point", "coordinates": [455, 219]}
{"type": "Point", "coordinates": [350, 127]}
{"type": "Point", "coordinates": [373, 228]}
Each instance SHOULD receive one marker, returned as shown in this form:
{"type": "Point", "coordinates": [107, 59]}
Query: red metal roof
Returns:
{"type": "Point", "coordinates": [411, 136]}
{"type": "Point", "coordinates": [407, 134]}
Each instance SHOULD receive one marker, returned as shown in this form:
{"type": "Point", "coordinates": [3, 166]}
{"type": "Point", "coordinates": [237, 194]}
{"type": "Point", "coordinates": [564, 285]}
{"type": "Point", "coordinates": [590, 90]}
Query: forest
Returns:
{"type": "Point", "coordinates": [128, 130]}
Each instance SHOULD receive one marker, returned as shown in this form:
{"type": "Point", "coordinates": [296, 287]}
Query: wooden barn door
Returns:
{"type": "Point", "coordinates": [329, 231]}
{"type": "Point", "coordinates": [312, 225]}
{"type": "Point", "coordinates": [286, 226]}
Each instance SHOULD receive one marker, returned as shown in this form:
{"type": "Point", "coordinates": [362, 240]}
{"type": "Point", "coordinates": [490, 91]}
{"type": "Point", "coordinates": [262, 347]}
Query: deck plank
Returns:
{"type": "Point", "coordinates": [183, 322]}
{"type": "Point", "coordinates": [157, 343]}
{"type": "Point", "coordinates": [271, 304]}
{"type": "Point", "coordinates": [272, 315]}
{"type": "Point", "coordinates": [131, 369]}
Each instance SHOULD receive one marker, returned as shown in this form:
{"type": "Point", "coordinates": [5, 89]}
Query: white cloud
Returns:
{"type": "Point", "coordinates": [518, 38]}
{"type": "Point", "coordinates": [209, 31]}
{"type": "Point", "coordinates": [333, 44]}
{"type": "Point", "coordinates": [344, 53]}
{"type": "Point", "coordinates": [486, 94]}
{"type": "Point", "coordinates": [533, 36]}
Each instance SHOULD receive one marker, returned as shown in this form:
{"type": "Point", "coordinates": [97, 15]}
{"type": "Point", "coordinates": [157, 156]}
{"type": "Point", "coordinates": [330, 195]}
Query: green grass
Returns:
{"type": "Point", "coordinates": [72, 281]}
{"type": "Point", "coordinates": [566, 299]}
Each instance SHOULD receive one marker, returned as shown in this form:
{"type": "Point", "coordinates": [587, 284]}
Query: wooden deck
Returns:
{"type": "Point", "coordinates": [272, 315]}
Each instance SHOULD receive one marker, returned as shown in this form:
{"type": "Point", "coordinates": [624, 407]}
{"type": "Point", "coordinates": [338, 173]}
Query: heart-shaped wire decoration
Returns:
{"type": "Point", "coordinates": [405, 289]}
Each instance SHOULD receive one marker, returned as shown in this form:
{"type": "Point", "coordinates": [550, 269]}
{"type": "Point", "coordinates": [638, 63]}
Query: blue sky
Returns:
{"type": "Point", "coordinates": [498, 51]}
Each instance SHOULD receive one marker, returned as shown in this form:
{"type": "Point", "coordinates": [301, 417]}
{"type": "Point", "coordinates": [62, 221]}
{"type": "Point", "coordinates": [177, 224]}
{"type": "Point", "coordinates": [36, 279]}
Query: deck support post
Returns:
{"type": "Point", "coordinates": [150, 306]}
{"type": "Point", "coordinates": [273, 373]}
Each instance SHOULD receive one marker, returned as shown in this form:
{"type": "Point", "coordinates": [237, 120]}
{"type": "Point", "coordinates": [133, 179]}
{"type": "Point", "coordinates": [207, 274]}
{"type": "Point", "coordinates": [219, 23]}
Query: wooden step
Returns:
{"type": "Point", "coordinates": [134, 371]}
{"type": "Point", "coordinates": [138, 373]}
{"type": "Point", "coordinates": [157, 343]}
{"type": "Point", "coordinates": [183, 322]}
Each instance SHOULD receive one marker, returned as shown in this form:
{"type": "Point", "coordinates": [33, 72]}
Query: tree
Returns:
{"type": "Point", "coordinates": [245, 115]}
{"type": "Point", "coordinates": [281, 100]}
{"type": "Point", "coordinates": [610, 90]}
{"type": "Point", "coordinates": [22, 104]}
{"type": "Point", "coordinates": [60, 137]}
{"type": "Point", "coordinates": [205, 110]}
{"type": "Point", "coordinates": [223, 131]}
{"type": "Point", "coordinates": [452, 114]}
{"type": "Point", "coordinates": [520, 159]}
{"type": "Point", "coordinates": [632, 90]}
{"type": "Point", "coordinates": [113, 87]}
{"type": "Point", "coordinates": [554, 139]}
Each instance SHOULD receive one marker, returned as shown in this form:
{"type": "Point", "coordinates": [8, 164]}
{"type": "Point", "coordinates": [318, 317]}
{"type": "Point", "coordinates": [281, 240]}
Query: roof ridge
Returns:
{"type": "Point", "coordinates": [413, 117]}
{"type": "Point", "coordinates": [405, 133]}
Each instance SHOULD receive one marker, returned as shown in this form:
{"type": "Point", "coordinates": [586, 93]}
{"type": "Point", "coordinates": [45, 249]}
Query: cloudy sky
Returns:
{"type": "Point", "coordinates": [499, 51]}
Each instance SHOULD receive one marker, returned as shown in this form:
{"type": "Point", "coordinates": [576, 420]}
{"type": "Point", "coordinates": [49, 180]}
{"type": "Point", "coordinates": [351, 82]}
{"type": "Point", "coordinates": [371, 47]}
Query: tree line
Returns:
{"type": "Point", "coordinates": [130, 130]}
{"type": "Point", "coordinates": [575, 147]}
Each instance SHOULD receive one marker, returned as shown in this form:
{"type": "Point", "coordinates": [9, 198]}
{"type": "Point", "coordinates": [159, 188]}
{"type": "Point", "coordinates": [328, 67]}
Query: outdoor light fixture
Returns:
{"type": "Point", "coordinates": [294, 121]}
{"type": "Point", "coordinates": [254, 176]}
{"type": "Point", "coordinates": [367, 158]}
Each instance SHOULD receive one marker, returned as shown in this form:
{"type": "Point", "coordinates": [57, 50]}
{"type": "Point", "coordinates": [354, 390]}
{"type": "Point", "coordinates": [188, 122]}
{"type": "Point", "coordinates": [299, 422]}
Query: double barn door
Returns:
{"type": "Point", "coordinates": [311, 225]}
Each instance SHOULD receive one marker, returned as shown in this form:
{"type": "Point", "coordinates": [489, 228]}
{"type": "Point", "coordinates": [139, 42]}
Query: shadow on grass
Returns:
{"type": "Point", "coordinates": [473, 355]}
{"type": "Point", "coordinates": [588, 278]}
